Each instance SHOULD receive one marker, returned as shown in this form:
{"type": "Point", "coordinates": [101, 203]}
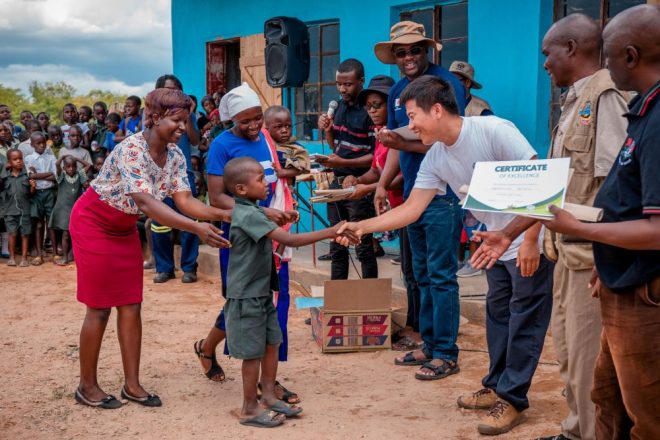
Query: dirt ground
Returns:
{"type": "Point", "coordinates": [345, 396]}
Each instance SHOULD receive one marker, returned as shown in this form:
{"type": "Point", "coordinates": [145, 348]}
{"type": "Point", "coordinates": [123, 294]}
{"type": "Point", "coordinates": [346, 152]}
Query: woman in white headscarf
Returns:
{"type": "Point", "coordinates": [245, 138]}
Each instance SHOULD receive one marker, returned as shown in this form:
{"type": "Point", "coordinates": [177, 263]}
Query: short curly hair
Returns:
{"type": "Point", "coordinates": [164, 102]}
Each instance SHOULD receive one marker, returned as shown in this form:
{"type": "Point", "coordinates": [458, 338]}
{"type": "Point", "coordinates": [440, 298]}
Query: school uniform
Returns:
{"type": "Point", "coordinates": [225, 147]}
{"type": "Point", "coordinates": [43, 200]}
{"type": "Point", "coordinates": [250, 314]}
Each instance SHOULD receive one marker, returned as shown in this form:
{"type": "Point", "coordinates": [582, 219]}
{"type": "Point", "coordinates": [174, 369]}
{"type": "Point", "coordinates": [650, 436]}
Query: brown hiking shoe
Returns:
{"type": "Point", "coordinates": [483, 399]}
{"type": "Point", "coordinates": [501, 418]}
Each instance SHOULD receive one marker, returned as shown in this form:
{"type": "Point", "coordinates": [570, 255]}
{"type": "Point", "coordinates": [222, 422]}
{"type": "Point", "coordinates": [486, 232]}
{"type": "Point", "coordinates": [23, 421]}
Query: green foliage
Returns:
{"type": "Point", "coordinates": [50, 97]}
{"type": "Point", "coordinates": [13, 98]}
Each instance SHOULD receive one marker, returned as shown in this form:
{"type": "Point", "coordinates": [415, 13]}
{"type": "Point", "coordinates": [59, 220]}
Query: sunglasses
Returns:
{"type": "Point", "coordinates": [402, 53]}
{"type": "Point", "coordinates": [375, 106]}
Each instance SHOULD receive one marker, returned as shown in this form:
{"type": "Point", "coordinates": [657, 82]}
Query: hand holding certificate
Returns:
{"type": "Point", "coordinates": [525, 187]}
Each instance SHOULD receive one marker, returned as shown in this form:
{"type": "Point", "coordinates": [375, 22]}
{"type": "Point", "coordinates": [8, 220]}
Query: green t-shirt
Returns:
{"type": "Point", "coordinates": [250, 269]}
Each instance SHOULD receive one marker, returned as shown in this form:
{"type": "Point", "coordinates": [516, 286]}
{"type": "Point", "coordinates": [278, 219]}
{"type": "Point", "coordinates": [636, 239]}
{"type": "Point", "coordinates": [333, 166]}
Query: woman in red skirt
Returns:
{"type": "Point", "coordinates": [139, 173]}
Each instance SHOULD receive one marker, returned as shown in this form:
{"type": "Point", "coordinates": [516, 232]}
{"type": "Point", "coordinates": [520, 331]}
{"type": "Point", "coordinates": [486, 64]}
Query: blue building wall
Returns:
{"type": "Point", "coordinates": [504, 40]}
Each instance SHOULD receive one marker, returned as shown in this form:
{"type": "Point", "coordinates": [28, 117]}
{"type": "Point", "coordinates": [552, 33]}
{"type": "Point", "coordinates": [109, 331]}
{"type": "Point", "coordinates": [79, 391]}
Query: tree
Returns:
{"type": "Point", "coordinates": [14, 98]}
{"type": "Point", "coordinates": [50, 97]}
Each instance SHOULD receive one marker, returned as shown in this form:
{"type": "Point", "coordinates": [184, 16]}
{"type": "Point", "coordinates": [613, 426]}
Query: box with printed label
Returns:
{"type": "Point", "coordinates": [356, 316]}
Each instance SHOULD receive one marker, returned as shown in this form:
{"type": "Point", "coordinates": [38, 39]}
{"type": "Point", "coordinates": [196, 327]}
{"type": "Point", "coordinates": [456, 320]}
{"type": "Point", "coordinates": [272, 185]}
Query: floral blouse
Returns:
{"type": "Point", "coordinates": [130, 169]}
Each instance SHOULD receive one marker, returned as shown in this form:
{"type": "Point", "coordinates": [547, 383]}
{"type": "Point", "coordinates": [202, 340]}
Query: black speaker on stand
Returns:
{"type": "Point", "coordinates": [287, 52]}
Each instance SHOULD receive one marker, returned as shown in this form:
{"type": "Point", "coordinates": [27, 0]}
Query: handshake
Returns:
{"type": "Point", "coordinates": [347, 233]}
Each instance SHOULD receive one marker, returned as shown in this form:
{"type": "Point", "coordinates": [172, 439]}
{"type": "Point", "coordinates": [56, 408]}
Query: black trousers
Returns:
{"type": "Point", "coordinates": [353, 211]}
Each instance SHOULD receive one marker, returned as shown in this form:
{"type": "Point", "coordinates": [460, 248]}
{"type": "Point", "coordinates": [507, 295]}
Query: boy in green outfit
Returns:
{"type": "Point", "coordinates": [16, 189]}
{"type": "Point", "coordinates": [253, 332]}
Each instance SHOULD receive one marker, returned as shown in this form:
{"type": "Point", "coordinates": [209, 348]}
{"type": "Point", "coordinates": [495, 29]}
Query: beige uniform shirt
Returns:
{"type": "Point", "coordinates": [610, 129]}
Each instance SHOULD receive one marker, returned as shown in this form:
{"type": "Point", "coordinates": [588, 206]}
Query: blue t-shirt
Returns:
{"type": "Point", "coordinates": [109, 142]}
{"type": "Point", "coordinates": [228, 146]}
{"type": "Point", "coordinates": [131, 127]}
{"type": "Point", "coordinates": [397, 117]}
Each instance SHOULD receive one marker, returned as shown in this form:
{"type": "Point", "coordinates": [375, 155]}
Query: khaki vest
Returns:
{"type": "Point", "coordinates": [579, 146]}
{"type": "Point", "coordinates": [476, 106]}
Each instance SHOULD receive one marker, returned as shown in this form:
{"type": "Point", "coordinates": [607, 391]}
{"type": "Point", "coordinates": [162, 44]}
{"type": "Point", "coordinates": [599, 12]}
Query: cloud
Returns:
{"type": "Point", "coordinates": [19, 75]}
{"type": "Point", "coordinates": [121, 44]}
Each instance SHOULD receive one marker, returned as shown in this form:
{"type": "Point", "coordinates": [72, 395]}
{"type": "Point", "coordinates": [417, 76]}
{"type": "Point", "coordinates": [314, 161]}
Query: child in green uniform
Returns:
{"type": "Point", "coordinates": [17, 189]}
{"type": "Point", "coordinates": [69, 187]}
{"type": "Point", "coordinates": [55, 140]}
{"type": "Point", "coordinates": [253, 332]}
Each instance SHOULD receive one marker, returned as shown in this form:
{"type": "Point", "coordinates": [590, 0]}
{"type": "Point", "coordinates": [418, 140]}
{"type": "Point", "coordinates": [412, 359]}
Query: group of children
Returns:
{"type": "Point", "coordinates": [46, 167]}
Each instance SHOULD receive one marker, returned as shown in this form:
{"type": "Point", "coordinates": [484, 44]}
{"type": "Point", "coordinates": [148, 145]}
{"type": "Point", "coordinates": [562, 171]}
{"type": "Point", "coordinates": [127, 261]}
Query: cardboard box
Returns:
{"type": "Point", "coordinates": [356, 316]}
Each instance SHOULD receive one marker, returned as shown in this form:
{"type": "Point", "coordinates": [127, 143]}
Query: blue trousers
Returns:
{"type": "Point", "coordinates": [517, 317]}
{"type": "Point", "coordinates": [162, 245]}
{"type": "Point", "coordinates": [283, 299]}
{"type": "Point", "coordinates": [434, 240]}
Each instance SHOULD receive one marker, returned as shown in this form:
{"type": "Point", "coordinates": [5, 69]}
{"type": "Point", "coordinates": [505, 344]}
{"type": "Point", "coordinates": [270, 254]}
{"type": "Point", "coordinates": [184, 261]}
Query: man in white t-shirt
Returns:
{"type": "Point", "coordinates": [519, 299]}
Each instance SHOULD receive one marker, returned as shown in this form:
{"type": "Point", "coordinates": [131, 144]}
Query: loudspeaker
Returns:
{"type": "Point", "coordinates": [287, 52]}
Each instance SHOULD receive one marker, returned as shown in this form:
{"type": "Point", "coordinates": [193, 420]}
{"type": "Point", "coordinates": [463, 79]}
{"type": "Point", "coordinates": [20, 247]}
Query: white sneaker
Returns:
{"type": "Point", "coordinates": [468, 271]}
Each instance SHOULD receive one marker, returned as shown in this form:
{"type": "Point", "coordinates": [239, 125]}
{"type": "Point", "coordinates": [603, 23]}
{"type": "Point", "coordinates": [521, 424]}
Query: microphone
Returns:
{"type": "Point", "coordinates": [332, 106]}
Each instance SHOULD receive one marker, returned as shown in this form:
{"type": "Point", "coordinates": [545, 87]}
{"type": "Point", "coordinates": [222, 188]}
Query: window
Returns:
{"type": "Point", "coordinates": [601, 10]}
{"type": "Point", "coordinates": [314, 96]}
{"type": "Point", "coordinates": [446, 24]}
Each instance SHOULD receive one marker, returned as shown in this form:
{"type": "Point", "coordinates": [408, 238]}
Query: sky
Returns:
{"type": "Point", "coordinates": [118, 45]}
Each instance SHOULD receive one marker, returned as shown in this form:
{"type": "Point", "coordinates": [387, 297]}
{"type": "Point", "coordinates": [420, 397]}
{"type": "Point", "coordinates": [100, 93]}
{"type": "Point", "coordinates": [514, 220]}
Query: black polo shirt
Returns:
{"type": "Point", "coordinates": [354, 136]}
{"type": "Point", "coordinates": [631, 191]}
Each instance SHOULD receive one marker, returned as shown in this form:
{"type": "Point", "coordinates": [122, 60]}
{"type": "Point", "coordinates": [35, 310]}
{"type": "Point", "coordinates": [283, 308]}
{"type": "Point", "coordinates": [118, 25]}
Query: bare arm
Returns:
{"type": "Point", "coordinates": [43, 176]}
{"type": "Point", "coordinates": [397, 218]}
{"type": "Point", "coordinates": [192, 207]}
{"type": "Point", "coordinates": [642, 234]}
{"type": "Point", "coordinates": [218, 196]}
{"type": "Point", "coordinates": [395, 141]}
{"type": "Point", "coordinates": [388, 175]}
{"type": "Point", "coordinates": [86, 165]}
{"type": "Point", "coordinates": [397, 183]}
{"type": "Point", "coordinates": [165, 215]}
{"type": "Point", "coordinates": [58, 165]}
{"type": "Point", "coordinates": [325, 124]}
{"type": "Point", "coordinates": [334, 161]}
{"type": "Point", "coordinates": [288, 172]}
{"type": "Point", "coordinates": [296, 240]}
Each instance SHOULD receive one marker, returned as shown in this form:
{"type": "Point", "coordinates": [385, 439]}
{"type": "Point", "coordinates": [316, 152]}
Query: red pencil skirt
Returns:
{"type": "Point", "coordinates": [108, 253]}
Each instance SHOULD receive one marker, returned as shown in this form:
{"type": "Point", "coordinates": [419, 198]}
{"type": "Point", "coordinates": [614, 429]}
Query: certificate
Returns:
{"type": "Point", "coordinates": [521, 187]}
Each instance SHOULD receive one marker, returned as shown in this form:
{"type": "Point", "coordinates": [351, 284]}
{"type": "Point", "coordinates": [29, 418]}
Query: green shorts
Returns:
{"type": "Point", "coordinates": [251, 326]}
{"type": "Point", "coordinates": [18, 222]}
{"type": "Point", "coordinates": [42, 203]}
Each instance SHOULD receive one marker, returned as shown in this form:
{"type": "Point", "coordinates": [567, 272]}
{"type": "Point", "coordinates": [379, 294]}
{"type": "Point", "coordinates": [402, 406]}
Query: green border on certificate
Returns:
{"type": "Point", "coordinates": [525, 187]}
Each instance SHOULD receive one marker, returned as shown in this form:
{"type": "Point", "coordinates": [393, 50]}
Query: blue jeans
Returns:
{"type": "Point", "coordinates": [162, 245]}
{"type": "Point", "coordinates": [517, 317]}
{"type": "Point", "coordinates": [434, 240]}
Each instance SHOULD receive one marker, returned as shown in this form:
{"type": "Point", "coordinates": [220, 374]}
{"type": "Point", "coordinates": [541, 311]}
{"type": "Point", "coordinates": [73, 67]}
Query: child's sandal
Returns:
{"type": "Point", "coordinates": [37, 261]}
{"type": "Point", "coordinates": [24, 263]}
{"type": "Point", "coordinates": [60, 261]}
{"type": "Point", "coordinates": [11, 262]}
